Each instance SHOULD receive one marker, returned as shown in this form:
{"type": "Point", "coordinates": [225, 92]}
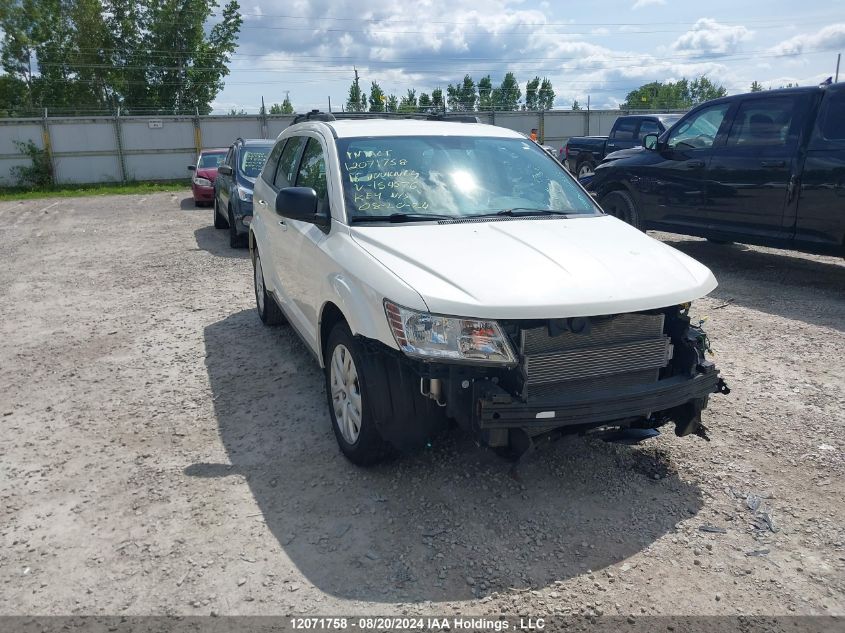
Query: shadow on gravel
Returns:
{"type": "Point", "coordinates": [216, 242]}
{"type": "Point", "coordinates": [188, 204]}
{"type": "Point", "coordinates": [784, 283]}
{"type": "Point", "coordinates": [449, 523]}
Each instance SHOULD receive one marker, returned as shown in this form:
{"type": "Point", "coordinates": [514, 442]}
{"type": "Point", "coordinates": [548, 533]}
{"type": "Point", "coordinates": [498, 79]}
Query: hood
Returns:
{"type": "Point", "coordinates": [209, 173]}
{"type": "Point", "coordinates": [536, 269]}
{"type": "Point", "coordinates": [623, 153]}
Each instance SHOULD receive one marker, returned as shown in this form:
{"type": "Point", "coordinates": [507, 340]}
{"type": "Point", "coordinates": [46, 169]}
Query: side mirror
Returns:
{"type": "Point", "coordinates": [650, 141]}
{"type": "Point", "coordinates": [300, 203]}
{"type": "Point", "coordinates": [192, 167]}
{"type": "Point", "coordinates": [226, 170]}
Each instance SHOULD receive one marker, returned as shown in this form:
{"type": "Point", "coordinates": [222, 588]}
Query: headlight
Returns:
{"type": "Point", "coordinates": [202, 182]}
{"type": "Point", "coordinates": [244, 194]}
{"type": "Point", "coordinates": [435, 337]}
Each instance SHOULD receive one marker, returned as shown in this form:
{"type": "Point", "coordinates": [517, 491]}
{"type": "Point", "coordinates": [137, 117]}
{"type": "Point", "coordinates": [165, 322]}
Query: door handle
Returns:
{"type": "Point", "coordinates": [694, 164]}
{"type": "Point", "coordinates": [772, 163]}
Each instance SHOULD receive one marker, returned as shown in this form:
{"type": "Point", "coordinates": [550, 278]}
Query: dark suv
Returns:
{"type": "Point", "coordinates": [233, 187]}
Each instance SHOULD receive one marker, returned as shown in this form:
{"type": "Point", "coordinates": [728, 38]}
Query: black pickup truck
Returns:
{"type": "Point", "coordinates": [764, 168]}
{"type": "Point", "coordinates": [581, 154]}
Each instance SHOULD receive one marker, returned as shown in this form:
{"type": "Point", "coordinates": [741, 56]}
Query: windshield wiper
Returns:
{"type": "Point", "coordinates": [400, 217]}
{"type": "Point", "coordinates": [518, 212]}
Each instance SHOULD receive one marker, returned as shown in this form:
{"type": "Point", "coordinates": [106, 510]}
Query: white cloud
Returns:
{"type": "Point", "coordinates": [830, 37]}
{"type": "Point", "coordinates": [709, 36]}
{"type": "Point", "coordinates": [639, 4]}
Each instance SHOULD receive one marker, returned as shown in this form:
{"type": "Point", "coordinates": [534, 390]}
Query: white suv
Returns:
{"type": "Point", "coordinates": [455, 271]}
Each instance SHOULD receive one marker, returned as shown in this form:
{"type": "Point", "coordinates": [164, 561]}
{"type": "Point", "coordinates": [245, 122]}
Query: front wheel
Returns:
{"type": "Point", "coordinates": [621, 205]}
{"type": "Point", "coordinates": [350, 391]}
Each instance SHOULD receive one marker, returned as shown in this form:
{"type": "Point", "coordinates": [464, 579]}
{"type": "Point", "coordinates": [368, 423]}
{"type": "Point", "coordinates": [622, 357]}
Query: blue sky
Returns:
{"type": "Point", "coordinates": [601, 48]}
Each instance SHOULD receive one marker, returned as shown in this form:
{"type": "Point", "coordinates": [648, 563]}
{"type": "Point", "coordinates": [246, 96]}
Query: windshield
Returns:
{"type": "Point", "coordinates": [211, 160]}
{"type": "Point", "coordinates": [252, 160]}
{"type": "Point", "coordinates": [454, 176]}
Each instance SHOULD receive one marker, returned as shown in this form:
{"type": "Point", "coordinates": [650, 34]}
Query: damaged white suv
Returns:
{"type": "Point", "coordinates": [445, 270]}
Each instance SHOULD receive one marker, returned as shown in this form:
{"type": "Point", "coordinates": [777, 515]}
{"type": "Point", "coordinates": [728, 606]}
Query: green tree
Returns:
{"type": "Point", "coordinates": [507, 95]}
{"type": "Point", "coordinates": [285, 107]}
{"type": "Point", "coordinates": [408, 103]}
{"type": "Point", "coordinates": [392, 103]}
{"type": "Point", "coordinates": [546, 95]}
{"type": "Point", "coordinates": [575, 105]}
{"type": "Point", "coordinates": [756, 87]}
{"type": "Point", "coordinates": [531, 97]}
{"type": "Point", "coordinates": [681, 94]}
{"type": "Point", "coordinates": [376, 98]}
{"type": "Point", "coordinates": [424, 102]}
{"type": "Point", "coordinates": [89, 55]}
{"type": "Point", "coordinates": [237, 112]}
{"type": "Point", "coordinates": [485, 93]}
{"type": "Point", "coordinates": [437, 99]}
{"type": "Point", "coordinates": [353, 101]}
{"type": "Point", "coordinates": [463, 96]}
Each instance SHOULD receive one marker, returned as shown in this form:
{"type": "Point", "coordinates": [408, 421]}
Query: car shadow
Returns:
{"type": "Point", "coordinates": [188, 204]}
{"type": "Point", "coordinates": [784, 283]}
{"type": "Point", "coordinates": [448, 523]}
{"type": "Point", "coordinates": [216, 242]}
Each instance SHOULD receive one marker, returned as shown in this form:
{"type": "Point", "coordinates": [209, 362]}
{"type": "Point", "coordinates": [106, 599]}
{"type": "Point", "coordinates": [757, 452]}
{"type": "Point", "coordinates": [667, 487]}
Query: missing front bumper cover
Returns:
{"type": "Point", "coordinates": [498, 409]}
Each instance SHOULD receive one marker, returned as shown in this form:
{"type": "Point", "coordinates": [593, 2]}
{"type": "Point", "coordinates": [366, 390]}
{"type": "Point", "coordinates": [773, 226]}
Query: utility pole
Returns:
{"type": "Point", "coordinates": [330, 104]}
{"type": "Point", "coordinates": [838, 59]}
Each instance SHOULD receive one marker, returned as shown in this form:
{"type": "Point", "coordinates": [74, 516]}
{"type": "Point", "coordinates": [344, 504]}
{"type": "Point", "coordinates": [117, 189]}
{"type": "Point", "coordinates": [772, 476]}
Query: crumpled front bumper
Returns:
{"type": "Point", "coordinates": [497, 409]}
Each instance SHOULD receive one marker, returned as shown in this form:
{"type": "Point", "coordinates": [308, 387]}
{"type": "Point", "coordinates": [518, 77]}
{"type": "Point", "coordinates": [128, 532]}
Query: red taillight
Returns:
{"type": "Point", "coordinates": [566, 151]}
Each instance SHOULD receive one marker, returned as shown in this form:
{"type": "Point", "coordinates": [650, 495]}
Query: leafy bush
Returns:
{"type": "Point", "coordinates": [39, 173]}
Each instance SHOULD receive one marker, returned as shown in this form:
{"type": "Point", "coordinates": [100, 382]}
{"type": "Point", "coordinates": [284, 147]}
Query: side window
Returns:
{"type": "Point", "coordinates": [762, 122]}
{"type": "Point", "coordinates": [625, 129]}
{"type": "Point", "coordinates": [700, 130]}
{"type": "Point", "coordinates": [832, 123]}
{"type": "Point", "coordinates": [648, 127]}
{"type": "Point", "coordinates": [272, 161]}
{"type": "Point", "coordinates": [287, 162]}
{"type": "Point", "coordinates": [312, 173]}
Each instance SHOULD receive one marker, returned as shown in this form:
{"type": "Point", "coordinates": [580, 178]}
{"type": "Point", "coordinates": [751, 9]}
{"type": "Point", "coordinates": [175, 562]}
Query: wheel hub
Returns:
{"type": "Point", "coordinates": [345, 393]}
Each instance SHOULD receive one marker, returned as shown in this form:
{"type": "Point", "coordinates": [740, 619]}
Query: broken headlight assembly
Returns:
{"type": "Point", "coordinates": [436, 337]}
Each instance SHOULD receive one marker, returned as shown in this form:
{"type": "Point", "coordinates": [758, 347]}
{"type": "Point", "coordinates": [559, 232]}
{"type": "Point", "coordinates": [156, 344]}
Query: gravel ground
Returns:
{"type": "Point", "coordinates": [163, 453]}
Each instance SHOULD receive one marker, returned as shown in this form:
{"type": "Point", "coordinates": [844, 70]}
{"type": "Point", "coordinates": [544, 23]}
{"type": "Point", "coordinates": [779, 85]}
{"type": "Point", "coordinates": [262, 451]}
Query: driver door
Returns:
{"type": "Point", "coordinates": [676, 195]}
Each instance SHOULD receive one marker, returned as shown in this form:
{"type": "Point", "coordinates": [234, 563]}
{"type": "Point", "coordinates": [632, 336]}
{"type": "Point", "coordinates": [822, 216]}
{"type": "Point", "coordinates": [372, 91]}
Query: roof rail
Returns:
{"type": "Point", "coordinates": [455, 118]}
{"type": "Point", "coordinates": [314, 115]}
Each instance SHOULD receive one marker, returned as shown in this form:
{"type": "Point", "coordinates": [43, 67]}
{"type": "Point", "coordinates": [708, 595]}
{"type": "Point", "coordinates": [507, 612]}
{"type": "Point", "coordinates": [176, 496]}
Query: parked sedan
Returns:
{"type": "Point", "coordinates": [233, 187]}
{"type": "Point", "coordinates": [205, 172]}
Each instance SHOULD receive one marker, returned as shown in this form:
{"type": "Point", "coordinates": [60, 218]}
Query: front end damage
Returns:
{"type": "Point", "coordinates": [636, 370]}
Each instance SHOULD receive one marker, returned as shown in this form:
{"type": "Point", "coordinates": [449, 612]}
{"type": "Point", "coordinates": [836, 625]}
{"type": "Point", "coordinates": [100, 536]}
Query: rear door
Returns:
{"type": "Point", "coordinates": [624, 135]}
{"type": "Point", "coordinates": [281, 240]}
{"type": "Point", "coordinates": [750, 174]}
{"type": "Point", "coordinates": [673, 191]}
{"type": "Point", "coordinates": [820, 224]}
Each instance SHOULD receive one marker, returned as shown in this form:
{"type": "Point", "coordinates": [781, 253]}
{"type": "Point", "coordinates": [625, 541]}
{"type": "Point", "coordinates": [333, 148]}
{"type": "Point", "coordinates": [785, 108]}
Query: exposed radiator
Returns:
{"type": "Point", "coordinates": [623, 350]}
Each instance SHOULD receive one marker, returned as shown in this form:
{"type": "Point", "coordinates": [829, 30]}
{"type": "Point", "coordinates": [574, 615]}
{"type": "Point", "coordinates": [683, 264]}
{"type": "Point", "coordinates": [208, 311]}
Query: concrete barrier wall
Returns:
{"type": "Point", "coordinates": [114, 149]}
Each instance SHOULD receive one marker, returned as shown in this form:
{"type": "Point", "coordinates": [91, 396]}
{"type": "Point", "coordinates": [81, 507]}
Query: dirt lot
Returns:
{"type": "Point", "coordinates": [162, 452]}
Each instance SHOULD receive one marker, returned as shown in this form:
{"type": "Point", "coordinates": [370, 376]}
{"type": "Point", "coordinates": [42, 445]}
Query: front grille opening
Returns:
{"type": "Point", "coordinates": [608, 353]}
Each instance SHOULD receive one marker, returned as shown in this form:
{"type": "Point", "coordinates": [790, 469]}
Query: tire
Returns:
{"type": "Point", "coordinates": [350, 393]}
{"type": "Point", "coordinates": [268, 310]}
{"type": "Point", "coordinates": [235, 240]}
{"type": "Point", "coordinates": [621, 205]}
{"type": "Point", "coordinates": [219, 221]}
{"type": "Point", "coordinates": [586, 168]}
